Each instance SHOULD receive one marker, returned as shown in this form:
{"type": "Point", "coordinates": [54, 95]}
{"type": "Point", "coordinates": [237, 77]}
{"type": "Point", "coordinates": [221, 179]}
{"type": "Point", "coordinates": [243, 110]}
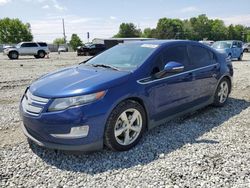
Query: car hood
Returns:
{"type": "Point", "coordinates": [11, 48]}
{"type": "Point", "coordinates": [222, 49]}
{"type": "Point", "coordinates": [77, 80]}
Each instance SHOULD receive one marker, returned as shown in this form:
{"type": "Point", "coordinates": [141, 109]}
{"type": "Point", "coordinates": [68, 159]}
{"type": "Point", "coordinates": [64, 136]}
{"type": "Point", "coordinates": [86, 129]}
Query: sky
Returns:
{"type": "Point", "coordinates": [101, 18]}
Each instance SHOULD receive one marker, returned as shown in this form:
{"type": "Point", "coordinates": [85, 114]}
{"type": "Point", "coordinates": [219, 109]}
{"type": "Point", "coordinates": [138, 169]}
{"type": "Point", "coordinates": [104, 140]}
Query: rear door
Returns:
{"type": "Point", "coordinates": [205, 71]}
{"type": "Point", "coordinates": [33, 48]}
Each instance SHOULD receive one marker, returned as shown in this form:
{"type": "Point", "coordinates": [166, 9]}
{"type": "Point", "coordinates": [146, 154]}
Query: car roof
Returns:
{"type": "Point", "coordinates": [229, 41]}
{"type": "Point", "coordinates": [167, 42]}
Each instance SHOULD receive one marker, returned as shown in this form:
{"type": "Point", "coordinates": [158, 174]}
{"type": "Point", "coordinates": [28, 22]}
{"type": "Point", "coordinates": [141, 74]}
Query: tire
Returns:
{"type": "Point", "coordinates": [222, 92]}
{"type": "Point", "coordinates": [41, 54]}
{"type": "Point", "coordinates": [120, 133]}
{"type": "Point", "coordinates": [245, 50]}
{"type": "Point", "coordinates": [240, 58]}
{"type": "Point", "coordinates": [13, 55]}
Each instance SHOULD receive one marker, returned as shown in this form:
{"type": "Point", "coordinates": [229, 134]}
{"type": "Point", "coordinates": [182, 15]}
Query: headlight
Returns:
{"type": "Point", "coordinates": [63, 103]}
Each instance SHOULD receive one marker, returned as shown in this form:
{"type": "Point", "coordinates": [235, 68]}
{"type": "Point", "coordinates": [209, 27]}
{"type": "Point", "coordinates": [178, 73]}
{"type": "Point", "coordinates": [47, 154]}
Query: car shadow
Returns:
{"type": "Point", "coordinates": [161, 140]}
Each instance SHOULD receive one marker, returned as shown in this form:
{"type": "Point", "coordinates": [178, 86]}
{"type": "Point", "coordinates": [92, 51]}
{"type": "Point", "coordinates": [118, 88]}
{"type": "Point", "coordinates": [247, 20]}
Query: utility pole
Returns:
{"type": "Point", "coordinates": [88, 36]}
{"type": "Point", "coordinates": [64, 36]}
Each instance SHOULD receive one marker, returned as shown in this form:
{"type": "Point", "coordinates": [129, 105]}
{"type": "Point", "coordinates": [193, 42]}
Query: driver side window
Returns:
{"type": "Point", "coordinates": [175, 53]}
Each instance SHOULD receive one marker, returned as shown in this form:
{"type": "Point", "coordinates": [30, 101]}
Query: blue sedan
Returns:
{"type": "Point", "coordinates": [113, 98]}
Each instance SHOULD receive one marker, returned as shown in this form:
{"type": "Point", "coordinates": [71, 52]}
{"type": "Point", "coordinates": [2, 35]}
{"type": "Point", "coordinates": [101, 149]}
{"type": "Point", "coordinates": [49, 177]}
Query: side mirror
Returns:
{"type": "Point", "coordinates": [173, 67]}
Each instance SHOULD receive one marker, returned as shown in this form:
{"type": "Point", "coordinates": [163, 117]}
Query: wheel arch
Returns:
{"type": "Point", "coordinates": [138, 100]}
{"type": "Point", "coordinates": [13, 51]}
{"type": "Point", "coordinates": [225, 77]}
{"type": "Point", "coordinates": [230, 81]}
{"type": "Point", "coordinates": [41, 50]}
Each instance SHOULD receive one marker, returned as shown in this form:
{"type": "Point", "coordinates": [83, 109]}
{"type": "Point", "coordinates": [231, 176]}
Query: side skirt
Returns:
{"type": "Point", "coordinates": [153, 123]}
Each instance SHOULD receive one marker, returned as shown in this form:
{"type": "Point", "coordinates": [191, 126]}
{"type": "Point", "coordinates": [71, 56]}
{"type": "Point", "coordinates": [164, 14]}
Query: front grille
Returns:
{"type": "Point", "coordinates": [33, 104]}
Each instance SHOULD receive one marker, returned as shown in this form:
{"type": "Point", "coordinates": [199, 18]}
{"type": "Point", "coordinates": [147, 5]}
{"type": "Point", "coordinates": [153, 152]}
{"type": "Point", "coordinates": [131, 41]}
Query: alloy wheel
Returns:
{"type": "Point", "coordinates": [223, 92]}
{"type": "Point", "coordinates": [128, 126]}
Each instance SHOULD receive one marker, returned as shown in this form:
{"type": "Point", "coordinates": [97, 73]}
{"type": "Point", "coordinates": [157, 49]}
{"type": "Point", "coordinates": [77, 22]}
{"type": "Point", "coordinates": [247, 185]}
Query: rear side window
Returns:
{"type": "Point", "coordinates": [200, 56]}
{"type": "Point", "coordinates": [42, 44]}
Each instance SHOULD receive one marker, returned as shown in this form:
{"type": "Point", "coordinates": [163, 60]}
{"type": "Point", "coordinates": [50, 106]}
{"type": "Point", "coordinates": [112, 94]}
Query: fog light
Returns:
{"type": "Point", "coordinates": [75, 132]}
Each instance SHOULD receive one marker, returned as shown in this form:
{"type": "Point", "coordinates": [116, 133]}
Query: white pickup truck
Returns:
{"type": "Point", "coordinates": [38, 49]}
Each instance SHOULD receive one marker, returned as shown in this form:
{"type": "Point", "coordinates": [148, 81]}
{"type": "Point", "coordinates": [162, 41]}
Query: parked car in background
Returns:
{"type": "Point", "coordinates": [232, 48]}
{"type": "Point", "coordinates": [246, 47]}
{"type": "Point", "coordinates": [62, 49]}
{"type": "Point", "coordinates": [92, 49]}
{"type": "Point", "coordinates": [37, 49]}
{"type": "Point", "coordinates": [114, 97]}
{"type": "Point", "coordinates": [207, 42]}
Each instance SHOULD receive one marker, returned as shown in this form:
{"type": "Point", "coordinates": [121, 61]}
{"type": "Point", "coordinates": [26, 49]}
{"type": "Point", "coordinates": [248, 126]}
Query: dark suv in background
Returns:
{"type": "Point", "coordinates": [90, 49]}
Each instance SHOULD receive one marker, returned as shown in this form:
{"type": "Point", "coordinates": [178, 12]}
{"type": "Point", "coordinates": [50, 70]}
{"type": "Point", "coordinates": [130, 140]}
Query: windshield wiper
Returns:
{"type": "Point", "coordinates": [105, 66]}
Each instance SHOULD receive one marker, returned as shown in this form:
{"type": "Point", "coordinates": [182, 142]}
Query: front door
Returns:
{"type": "Point", "coordinates": [171, 93]}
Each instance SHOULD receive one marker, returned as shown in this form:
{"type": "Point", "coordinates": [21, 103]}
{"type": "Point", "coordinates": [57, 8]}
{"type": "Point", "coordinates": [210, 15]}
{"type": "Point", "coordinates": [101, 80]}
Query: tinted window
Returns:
{"type": "Point", "coordinates": [177, 54]}
{"type": "Point", "coordinates": [42, 44]}
{"type": "Point", "coordinates": [200, 56]}
{"type": "Point", "coordinates": [30, 44]}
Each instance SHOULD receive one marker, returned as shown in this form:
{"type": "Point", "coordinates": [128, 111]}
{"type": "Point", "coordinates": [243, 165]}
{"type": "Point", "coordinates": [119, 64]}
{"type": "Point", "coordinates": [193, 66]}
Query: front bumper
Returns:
{"type": "Point", "coordinates": [54, 129]}
{"type": "Point", "coordinates": [84, 148]}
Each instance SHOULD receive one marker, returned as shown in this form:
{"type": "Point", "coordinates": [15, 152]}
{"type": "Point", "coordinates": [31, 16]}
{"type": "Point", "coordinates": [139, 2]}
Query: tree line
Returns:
{"type": "Point", "coordinates": [13, 31]}
{"type": "Point", "coordinates": [195, 28]}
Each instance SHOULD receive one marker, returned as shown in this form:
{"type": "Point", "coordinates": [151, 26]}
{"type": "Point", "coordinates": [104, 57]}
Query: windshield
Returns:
{"type": "Point", "coordinates": [126, 57]}
{"type": "Point", "coordinates": [222, 44]}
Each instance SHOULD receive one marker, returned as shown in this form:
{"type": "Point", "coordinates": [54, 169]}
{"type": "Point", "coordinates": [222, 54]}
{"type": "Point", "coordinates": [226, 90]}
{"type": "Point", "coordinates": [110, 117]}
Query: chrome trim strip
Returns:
{"type": "Point", "coordinates": [143, 83]}
{"type": "Point", "coordinates": [36, 98]}
{"type": "Point", "coordinates": [29, 103]}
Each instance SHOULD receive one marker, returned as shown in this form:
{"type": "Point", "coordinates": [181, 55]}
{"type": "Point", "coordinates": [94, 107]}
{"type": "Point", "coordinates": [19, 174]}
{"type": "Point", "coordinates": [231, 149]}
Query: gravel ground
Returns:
{"type": "Point", "coordinates": [210, 148]}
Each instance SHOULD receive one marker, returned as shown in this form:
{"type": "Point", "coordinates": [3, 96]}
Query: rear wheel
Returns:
{"type": "Point", "coordinates": [222, 92]}
{"type": "Point", "coordinates": [125, 126]}
{"type": "Point", "coordinates": [245, 50]}
{"type": "Point", "coordinates": [13, 55]}
{"type": "Point", "coordinates": [41, 54]}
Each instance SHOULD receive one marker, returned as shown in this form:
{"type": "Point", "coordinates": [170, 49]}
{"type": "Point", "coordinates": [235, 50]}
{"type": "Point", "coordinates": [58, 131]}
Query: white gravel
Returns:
{"type": "Point", "coordinates": [210, 148]}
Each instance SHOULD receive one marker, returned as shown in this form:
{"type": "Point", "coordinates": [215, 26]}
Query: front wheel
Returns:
{"type": "Point", "coordinates": [222, 92]}
{"type": "Point", "coordinates": [13, 55]}
{"type": "Point", "coordinates": [125, 126]}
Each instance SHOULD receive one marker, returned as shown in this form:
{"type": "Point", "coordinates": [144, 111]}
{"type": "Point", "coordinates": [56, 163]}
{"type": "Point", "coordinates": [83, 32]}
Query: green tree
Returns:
{"type": "Point", "coordinates": [14, 31]}
{"type": "Point", "coordinates": [169, 28]}
{"type": "Point", "coordinates": [218, 30]}
{"type": "Point", "coordinates": [149, 33]}
{"type": "Point", "coordinates": [202, 27]}
{"type": "Point", "coordinates": [75, 41]}
{"type": "Point", "coordinates": [128, 30]}
{"type": "Point", "coordinates": [58, 41]}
